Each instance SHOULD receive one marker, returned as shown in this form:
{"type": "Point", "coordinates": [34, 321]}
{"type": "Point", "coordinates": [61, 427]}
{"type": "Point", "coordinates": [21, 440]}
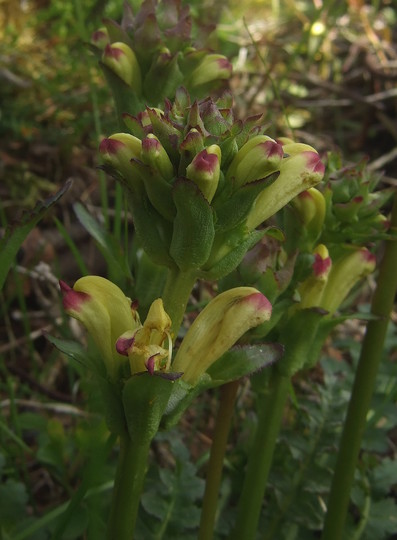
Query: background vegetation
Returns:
{"type": "Point", "coordinates": [324, 71]}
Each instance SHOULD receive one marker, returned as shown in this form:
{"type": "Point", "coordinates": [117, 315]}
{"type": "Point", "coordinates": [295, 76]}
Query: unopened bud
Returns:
{"type": "Point", "coordinates": [121, 59]}
{"type": "Point", "coordinates": [154, 154]}
{"type": "Point", "coordinates": [345, 273]}
{"type": "Point", "coordinates": [256, 159]}
{"type": "Point", "coordinates": [204, 170]}
{"type": "Point", "coordinates": [312, 289]}
{"type": "Point", "coordinates": [310, 205]}
{"type": "Point", "coordinates": [297, 173]}
{"type": "Point", "coordinates": [118, 150]}
{"type": "Point", "coordinates": [100, 38]}
{"type": "Point", "coordinates": [213, 67]}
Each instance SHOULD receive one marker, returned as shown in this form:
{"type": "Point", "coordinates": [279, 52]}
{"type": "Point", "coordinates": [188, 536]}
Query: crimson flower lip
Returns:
{"type": "Point", "coordinates": [321, 266]}
{"type": "Point", "coordinates": [72, 300]}
{"type": "Point", "coordinates": [121, 59]}
{"type": "Point", "coordinates": [110, 146]}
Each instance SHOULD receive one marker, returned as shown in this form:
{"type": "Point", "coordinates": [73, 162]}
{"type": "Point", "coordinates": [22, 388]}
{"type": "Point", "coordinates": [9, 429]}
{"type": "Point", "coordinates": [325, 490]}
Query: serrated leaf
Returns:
{"type": "Point", "coordinates": [194, 231]}
{"type": "Point", "coordinates": [153, 231]}
{"type": "Point", "coordinates": [17, 231]}
{"type": "Point", "coordinates": [382, 522]}
{"type": "Point", "coordinates": [171, 500]}
{"type": "Point", "coordinates": [145, 398]}
{"type": "Point", "coordinates": [242, 361]}
{"type": "Point", "coordinates": [235, 209]}
{"type": "Point", "coordinates": [70, 348]}
{"type": "Point", "coordinates": [302, 340]}
{"type": "Point", "coordinates": [181, 397]}
{"type": "Point", "coordinates": [230, 261]}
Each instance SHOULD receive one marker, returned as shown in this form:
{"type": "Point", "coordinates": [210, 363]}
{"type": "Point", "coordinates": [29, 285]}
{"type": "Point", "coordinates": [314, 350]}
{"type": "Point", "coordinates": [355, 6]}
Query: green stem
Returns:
{"type": "Point", "coordinates": [261, 456]}
{"type": "Point", "coordinates": [363, 388]}
{"type": "Point", "coordinates": [176, 294]}
{"type": "Point", "coordinates": [128, 485]}
{"type": "Point", "coordinates": [218, 450]}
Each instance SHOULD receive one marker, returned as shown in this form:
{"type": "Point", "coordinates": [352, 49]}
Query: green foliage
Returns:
{"type": "Point", "coordinates": [302, 471]}
{"type": "Point", "coordinates": [53, 95]}
{"type": "Point", "coordinates": [16, 233]}
{"type": "Point", "coordinates": [170, 504]}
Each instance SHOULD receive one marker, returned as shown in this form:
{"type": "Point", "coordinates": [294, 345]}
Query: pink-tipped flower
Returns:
{"type": "Point", "coordinates": [257, 158]}
{"type": "Point", "coordinates": [154, 154]}
{"type": "Point", "coordinates": [121, 59]}
{"type": "Point", "coordinates": [204, 170]}
{"type": "Point", "coordinates": [105, 312]}
{"type": "Point", "coordinates": [299, 171]}
{"type": "Point", "coordinates": [310, 206]}
{"type": "Point", "coordinates": [118, 150]}
{"type": "Point", "coordinates": [312, 289]}
{"type": "Point", "coordinates": [213, 67]}
{"type": "Point", "coordinates": [100, 38]}
{"type": "Point", "coordinates": [221, 323]}
{"type": "Point", "coordinates": [346, 272]}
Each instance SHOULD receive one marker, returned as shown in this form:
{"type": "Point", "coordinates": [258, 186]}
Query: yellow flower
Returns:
{"type": "Point", "coordinates": [106, 313]}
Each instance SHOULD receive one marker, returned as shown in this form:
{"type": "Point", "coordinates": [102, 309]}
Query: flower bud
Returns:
{"type": "Point", "coordinates": [121, 59]}
{"type": "Point", "coordinates": [259, 156]}
{"type": "Point", "coordinates": [204, 170]}
{"type": "Point", "coordinates": [213, 67]}
{"type": "Point", "coordinates": [311, 290]}
{"type": "Point", "coordinates": [221, 323]}
{"type": "Point", "coordinates": [100, 38]}
{"type": "Point", "coordinates": [346, 272]}
{"type": "Point", "coordinates": [310, 205]}
{"type": "Point", "coordinates": [192, 144]}
{"type": "Point", "coordinates": [105, 312]}
{"type": "Point", "coordinates": [118, 150]}
{"type": "Point", "coordinates": [297, 173]}
{"type": "Point", "coordinates": [153, 154]}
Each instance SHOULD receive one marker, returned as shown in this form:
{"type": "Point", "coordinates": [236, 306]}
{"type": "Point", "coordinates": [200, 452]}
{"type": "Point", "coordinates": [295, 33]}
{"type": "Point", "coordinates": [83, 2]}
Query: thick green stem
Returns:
{"type": "Point", "coordinates": [218, 450]}
{"type": "Point", "coordinates": [363, 388]}
{"type": "Point", "coordinates": [261, 456]}
{"type": "Point", "coordinates": [176, 294]}
{"type": "Point", "coordinates": [128, 484]}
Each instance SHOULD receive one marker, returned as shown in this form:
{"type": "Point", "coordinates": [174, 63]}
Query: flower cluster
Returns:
{"type": "Point", "coordinates": [353, 204]}
{"type": "Point", "coordinates": [150, 54]}
{"type": "Point", "coordinates": [200, 183]}
{"type": "Point", "coordinates": [114, 324]}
